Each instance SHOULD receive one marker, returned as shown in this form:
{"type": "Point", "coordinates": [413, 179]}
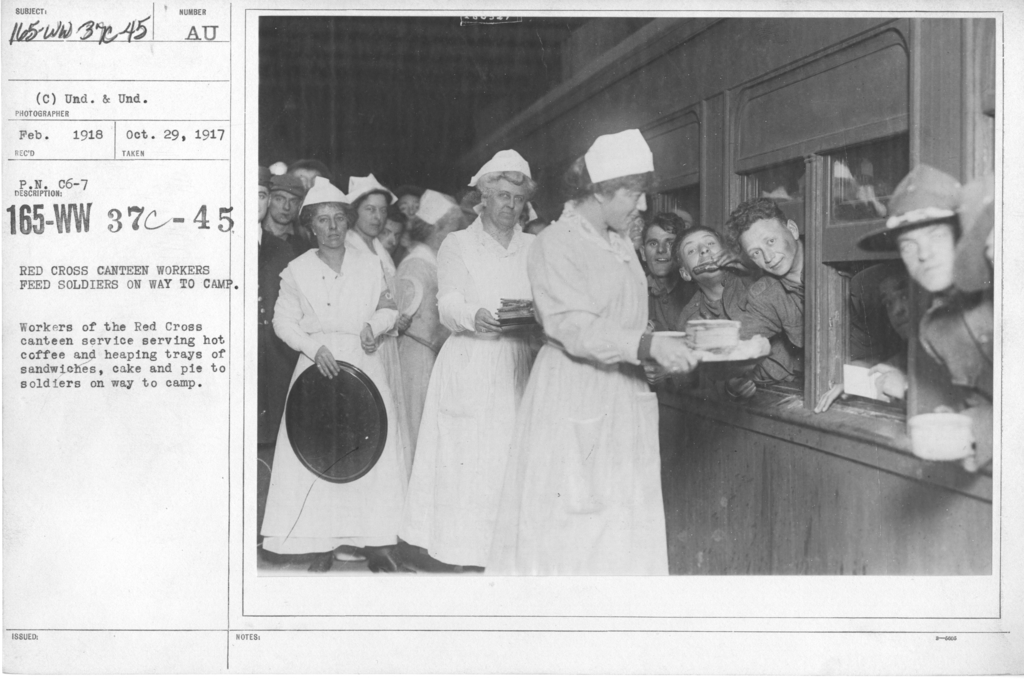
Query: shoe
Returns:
{"type": "Point", "coordinates": [405, 556]}
{"type": "Point", "coordinates": [322, 563]}
{"type": "Point", "coordinates": [468, 569]}
{"type": "Point", "coordinates": [348, 553]}
{"type": "Point", "coordinates": [381, 559]}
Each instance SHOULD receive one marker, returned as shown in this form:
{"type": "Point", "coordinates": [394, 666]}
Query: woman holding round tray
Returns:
{"type": "Point", "coordinates": [582, 492]}
{"type": "Point", "coordinates": [334, 306]}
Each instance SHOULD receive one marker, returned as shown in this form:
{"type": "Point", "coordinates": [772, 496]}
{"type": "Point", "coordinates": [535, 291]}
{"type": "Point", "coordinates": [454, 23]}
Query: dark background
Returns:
{"type": "Point", "coordinates": [402, 97]}
{"type": "Point", "coordinates": [406, 97]}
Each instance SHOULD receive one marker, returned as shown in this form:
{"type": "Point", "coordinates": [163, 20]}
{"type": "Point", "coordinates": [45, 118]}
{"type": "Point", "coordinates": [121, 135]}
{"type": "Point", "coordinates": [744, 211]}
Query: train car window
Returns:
{"type": "Point", "coordinates": [870, 332]}
{"type": "Point", "coordinates": [782, 371]}
{"type": "Point", "coordinates": [860, 179]}
{"type": "Point", "coordinates": [864, 176]}
{"type": "Point", "coordinates": [785, 185]}
{"type": "Point", "coordinates": [686, 199]}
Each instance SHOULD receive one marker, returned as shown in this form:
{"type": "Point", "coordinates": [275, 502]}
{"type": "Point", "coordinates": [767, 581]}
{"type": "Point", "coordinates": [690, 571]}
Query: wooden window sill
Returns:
{"type": "Point", "coordinates": [861, 434]}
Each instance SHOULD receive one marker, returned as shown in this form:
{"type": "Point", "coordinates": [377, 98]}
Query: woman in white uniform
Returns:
{"type": "Point", "coordinates": [437, 216]}
{"type": "Point", "coordinates": [333, 306]}
{"type": "Point", "coordinates": [370, 200]}
{"type": "Point", "coordinates": [582, 493]}
{"type": "Point", "coordinates": [479, 377]}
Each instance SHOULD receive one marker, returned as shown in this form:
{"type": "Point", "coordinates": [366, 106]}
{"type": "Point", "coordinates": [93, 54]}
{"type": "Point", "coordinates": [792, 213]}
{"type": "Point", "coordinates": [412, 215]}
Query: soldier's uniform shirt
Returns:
{"type": "Point", "coordinates": [764, 307]}
{"type": "Point", "coordinates": [665, 304]}
{"type": "Point", "coordinates": [957, 331]}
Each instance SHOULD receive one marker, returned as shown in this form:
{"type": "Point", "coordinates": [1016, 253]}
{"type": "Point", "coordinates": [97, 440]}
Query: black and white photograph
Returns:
{"type": "Point", "coordinates": [626, 295]}
{"type": "Point", "coordinates": [598, 338]}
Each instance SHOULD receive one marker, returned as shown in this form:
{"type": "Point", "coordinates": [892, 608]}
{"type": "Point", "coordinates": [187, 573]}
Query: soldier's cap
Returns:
{"type": "Point", "coordinates": [925, 196]}
{"type": "Point", "coordinates": [971, 269]}
{"type": "Point", "coordinates": [287, 183]}
{"type": "Point", "coordinates": [264, 177]}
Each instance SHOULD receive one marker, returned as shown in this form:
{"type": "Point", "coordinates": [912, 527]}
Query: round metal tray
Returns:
{"type": "Point", "coordinates": [337, 427]}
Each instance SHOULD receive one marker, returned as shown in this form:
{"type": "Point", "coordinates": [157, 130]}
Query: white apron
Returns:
{"type": "Point", "coordinates": [582, 494]}
{"type": "Point", "coordinates": [305, 513]}
{"type": "Point", "coordinates": [471, 403]}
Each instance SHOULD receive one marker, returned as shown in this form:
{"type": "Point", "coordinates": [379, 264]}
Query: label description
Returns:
{"type": "Point", "coordinates": [120, 354]}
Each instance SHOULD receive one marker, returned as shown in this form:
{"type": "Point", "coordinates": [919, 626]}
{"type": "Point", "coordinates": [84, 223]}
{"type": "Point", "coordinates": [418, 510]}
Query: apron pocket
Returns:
{"type": "Point", "coordinates": [583, 492]}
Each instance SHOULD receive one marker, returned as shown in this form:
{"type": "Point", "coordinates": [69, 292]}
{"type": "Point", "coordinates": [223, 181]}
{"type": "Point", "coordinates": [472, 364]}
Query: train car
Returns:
{"type": "Point", "coordinates": [813, 113]}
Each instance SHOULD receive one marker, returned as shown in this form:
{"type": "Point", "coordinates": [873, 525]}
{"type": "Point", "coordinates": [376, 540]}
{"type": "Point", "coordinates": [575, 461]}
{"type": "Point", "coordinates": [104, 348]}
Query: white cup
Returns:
{"type": "Point", "coordinates": [941, 436]}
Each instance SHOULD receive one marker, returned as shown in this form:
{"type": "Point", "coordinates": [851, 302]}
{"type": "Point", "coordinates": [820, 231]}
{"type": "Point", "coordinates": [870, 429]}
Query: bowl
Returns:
{"type": "Point", "coordinates": [941, 436]}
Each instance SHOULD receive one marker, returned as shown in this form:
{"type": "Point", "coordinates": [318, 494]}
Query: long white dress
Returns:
{"type": "Point", "coordinates": [474, 392]}
{"type": "Point", "coordinates": [582, 494]}
{"type": "Point", "coordinates": [416, 283]}
{"type": "Point", "coordinates": [319, 307]}
{"type": "Point", "coordinates": [388, 349]}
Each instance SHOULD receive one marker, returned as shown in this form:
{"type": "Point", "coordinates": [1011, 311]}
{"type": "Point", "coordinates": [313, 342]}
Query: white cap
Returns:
{"type": "Point", "coordinates": [360, 186]}
{"type": "Point", "coordinates": [278, 168]}
{"type": "Point", "coordinates": [433, 206]}
{"type": "Point", "coordinates": [531, 214]}
{"type": "Point", "coordinates": [618, 155]}
{"type": "Point", "coordinates": [323, 191]}
{"type": "Point", "coordinates": [503, 161]}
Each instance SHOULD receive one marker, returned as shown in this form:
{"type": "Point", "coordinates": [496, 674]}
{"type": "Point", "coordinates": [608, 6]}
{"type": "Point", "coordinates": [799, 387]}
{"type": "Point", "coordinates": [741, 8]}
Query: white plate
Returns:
{"type": "Point", "coordinates": [746, 350]}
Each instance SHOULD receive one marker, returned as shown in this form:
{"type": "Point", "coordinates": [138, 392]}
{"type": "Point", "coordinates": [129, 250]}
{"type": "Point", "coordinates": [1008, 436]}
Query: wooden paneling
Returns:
{"type": "Point", "coordinates": [936, 83]}
{"type": "Point", "coordinates": [979, 64]}
{"type": "Point", "coordinates": [742, 502]}
{"type": "Point", "coordinates": [666, 67]}
{"type": "Point", "coordinates": [851, 95]}
{"type": "Point", "coordinates": [713, 500]}
{"type": "Point", "coordinates": [714, 199]}
{"type": "Point", "coordinates": [675, 144]}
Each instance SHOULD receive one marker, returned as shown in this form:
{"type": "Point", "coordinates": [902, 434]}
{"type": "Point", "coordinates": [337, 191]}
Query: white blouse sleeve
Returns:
{"type": "Point", "coordinates": [569, 311]}
{"type": "Point", "coordinates": [287, 314]}
{"type": "Point", "coordinates": [384, 318]}
{"type": "Point", "coordinates": [453, 281]}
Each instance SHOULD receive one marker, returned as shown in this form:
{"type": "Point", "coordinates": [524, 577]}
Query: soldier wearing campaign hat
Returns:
{"type": "Point", "coordinates": [925, 225]}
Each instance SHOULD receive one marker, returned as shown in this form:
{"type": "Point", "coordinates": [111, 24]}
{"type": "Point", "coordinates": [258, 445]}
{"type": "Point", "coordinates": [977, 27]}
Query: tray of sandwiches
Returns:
{"type": "Point", "coordinates": [719, 340]}
{"type": "Point", "coordinates": [516, 314]}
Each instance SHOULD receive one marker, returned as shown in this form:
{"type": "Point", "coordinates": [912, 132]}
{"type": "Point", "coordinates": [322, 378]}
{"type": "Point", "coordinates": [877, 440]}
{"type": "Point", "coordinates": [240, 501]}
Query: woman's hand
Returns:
{"type": "Point", "coordinates": [889, 381]}
{"type": "Point", "coordinates": [485, 322]}
{"type": "Point", "coordinates": [654, 372]}
{"type": "Point", "coordinates": [829, 397]}
{"type": "Point", "coordinates": [369, 342]}
{"type": "Point", "coordinates": [672, 354]}
{"type": "Point", "coordinates": [325, 363]}
{"type": "Point", "coordinates": [403, 323]}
